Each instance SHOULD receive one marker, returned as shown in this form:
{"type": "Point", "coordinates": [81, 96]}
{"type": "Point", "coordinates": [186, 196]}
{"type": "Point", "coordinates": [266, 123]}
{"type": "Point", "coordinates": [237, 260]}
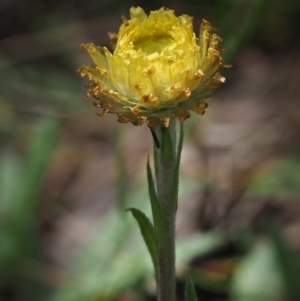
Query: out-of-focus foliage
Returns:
{"type": "Point", "coordinates": [115, 258]}
{"type": "Point", "coordinates": [20, 186]}
{"type": "Point", "coordinates": [269, 271]}
{"type": "Point", "coordinates": [42, 99]}
{"type": "Point", "coordinates": [279, 180]}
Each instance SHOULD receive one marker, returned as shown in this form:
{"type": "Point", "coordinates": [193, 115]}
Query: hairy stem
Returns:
{"type": "Point", "coordinates": [165, 158]}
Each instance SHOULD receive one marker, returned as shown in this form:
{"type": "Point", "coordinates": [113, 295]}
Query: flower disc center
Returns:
{"type": "Point", "coordinates": [153, 44]}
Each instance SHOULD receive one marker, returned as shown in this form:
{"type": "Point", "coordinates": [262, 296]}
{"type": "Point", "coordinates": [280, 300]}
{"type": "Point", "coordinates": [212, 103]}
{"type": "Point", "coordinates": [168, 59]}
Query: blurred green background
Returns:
{"type": "Point", "coordinates": [66, 175]}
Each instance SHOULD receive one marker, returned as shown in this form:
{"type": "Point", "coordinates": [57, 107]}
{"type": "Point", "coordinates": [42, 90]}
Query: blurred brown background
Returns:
{"type": "Point", "coordinates": [66, 175]}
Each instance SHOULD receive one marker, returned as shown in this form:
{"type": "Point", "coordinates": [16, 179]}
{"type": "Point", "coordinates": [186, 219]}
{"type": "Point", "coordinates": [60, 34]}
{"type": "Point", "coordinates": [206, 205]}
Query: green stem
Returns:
{"type": "Point", "coordinates": [165, 159]}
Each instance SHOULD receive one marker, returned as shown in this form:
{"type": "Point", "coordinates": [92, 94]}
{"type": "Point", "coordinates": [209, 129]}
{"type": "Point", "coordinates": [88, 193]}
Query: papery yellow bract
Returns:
{"type": "Point", "coordinates": [158, 69]}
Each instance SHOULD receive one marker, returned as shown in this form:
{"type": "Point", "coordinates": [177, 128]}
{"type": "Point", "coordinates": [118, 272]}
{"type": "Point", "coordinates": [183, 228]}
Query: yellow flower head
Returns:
{"type": "Point", "coordinates": [158, 69]}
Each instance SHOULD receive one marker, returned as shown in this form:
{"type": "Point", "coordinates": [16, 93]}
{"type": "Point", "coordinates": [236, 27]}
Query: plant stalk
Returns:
{"type": "Point", "coordinates": [165, 158]}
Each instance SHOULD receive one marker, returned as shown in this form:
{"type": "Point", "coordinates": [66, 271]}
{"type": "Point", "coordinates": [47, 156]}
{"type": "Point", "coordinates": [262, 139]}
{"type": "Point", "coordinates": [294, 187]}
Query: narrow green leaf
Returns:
{"type": "Point", "coordinates": [157, 151]}
{"type": "Point", "coordinates": [155, 206]}
{"type": "Point", "coordinates": [175, 183]}
{"type": "Point", "coordinates": [148, 233]}
{"type": "Point", "coordinates": [189, 294]}
{"type": "Point", "coordinates": [157, 213]}
{"type": "Point", "coordinates": [155, 139]}
{"type": "Point", "coordinates": [173, 132]}
{"type": "Point", "coordinates": [180, 142]}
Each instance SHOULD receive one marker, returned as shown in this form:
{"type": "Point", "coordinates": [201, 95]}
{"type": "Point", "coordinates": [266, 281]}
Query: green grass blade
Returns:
{"type": "Point", "coordinates": [189, 294]}
{"type": "Point", "coordinates": [287, 262]}
{"type": "Point", "coordinates": [40, 151]}
{"type": "Point", "coordinates": [242, 33]}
